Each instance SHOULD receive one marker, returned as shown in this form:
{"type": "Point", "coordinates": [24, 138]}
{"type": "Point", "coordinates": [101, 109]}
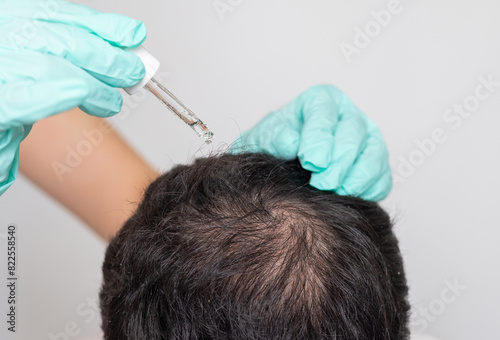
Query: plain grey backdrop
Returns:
{"type": "Point", "coordinates": [234, 61]}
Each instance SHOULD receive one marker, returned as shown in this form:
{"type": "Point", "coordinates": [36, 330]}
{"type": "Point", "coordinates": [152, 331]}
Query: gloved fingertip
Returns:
{"type": "Point", "coordinates": [127, 32]}
{"type": "Point", "coordinates": [116, 104]}
{"type": "Point", "coordinates": [325, 180]}
{"type": "Point", "coordinates": [137, 71]}
{"type": "Point", "coordinates": [282, 143]}
{"type": "Point", "coordinates": [309, 166]}
{"type": "Point", "coordinates": [379, 190]}
{"type": "Point", "coordinates": [354, 186]}
{"type": "Point", "coordinates": [122, 69]}
{"type": "Point", "coordinates": [342, 192]}
{"type": "Point", "coordinates": [139, 34]}
{"type": "Point", "coordinates": [374, 196]}
{"type": "Point", "coordinates": [314, 160]}
{"type": "Point", "coordinates": [104, 104]}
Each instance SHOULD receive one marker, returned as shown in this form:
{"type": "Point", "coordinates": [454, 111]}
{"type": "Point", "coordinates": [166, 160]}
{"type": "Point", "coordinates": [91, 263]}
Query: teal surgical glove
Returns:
{"type": "Point", "coordinates": [332, 138]}
{"type": "Point", "coordinates": [55, 56]}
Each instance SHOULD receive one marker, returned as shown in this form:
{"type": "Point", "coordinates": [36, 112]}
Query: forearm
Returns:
{"type": "Point", "coordinates": [86, 166]}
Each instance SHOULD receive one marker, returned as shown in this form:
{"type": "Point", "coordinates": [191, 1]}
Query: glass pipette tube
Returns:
{"type": "Point", "coordinates": [179, 109]}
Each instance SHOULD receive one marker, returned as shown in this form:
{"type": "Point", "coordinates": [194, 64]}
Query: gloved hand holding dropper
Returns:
{"type": "Point", "coordinates": [55, 56]}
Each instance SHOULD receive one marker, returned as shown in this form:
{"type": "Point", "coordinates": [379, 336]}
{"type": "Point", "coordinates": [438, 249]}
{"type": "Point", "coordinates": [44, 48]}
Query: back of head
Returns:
{"type": "Point", "coordinates": [241, 247]}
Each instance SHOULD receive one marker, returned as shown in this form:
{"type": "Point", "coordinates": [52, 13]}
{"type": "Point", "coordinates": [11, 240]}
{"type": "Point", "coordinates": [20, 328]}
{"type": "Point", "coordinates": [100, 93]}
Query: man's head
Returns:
{"type": "Point", "coordinates": [241, 247]}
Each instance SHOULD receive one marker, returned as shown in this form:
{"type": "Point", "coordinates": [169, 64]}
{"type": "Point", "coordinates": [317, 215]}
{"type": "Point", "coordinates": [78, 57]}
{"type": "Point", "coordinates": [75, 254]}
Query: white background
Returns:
{"type": "Point", "coordinates": [232, 68]}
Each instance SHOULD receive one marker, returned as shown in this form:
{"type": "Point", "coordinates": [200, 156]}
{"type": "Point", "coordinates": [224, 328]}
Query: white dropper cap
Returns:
{"type": "Point", "coordinates": [151, 64]}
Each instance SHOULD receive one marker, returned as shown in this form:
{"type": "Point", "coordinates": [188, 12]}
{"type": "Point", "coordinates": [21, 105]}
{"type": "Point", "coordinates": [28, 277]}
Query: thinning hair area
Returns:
{"type": "Point", "coordinates": [242, 247]}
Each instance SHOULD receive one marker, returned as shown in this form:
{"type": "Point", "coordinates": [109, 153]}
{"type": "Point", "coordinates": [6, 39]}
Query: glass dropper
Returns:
{"type": "Point", "coordinates": [166, 97]}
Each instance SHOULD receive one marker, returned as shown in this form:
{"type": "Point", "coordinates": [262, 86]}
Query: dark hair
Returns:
{"type": "Point", "coordinates": [241, 247]}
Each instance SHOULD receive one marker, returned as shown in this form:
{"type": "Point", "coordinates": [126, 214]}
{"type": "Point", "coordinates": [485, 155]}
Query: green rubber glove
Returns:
{"type": "Point", "coordinates": [332, 138]}
{"type": "Point", "coordinates": [55, 56]}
